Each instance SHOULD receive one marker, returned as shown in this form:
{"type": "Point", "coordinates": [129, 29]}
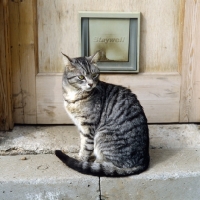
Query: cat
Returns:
{"type": "Point", "coordinates": [112, 124]}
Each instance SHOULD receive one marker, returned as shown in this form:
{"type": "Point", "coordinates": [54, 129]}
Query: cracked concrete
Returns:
{"type": "Point", "coordinates": [39, 139]}
{"type": "Point", "coordinates": [43, 177]}
{"type": "Point", "coordinates": [46, 139]}
{"type": "Point", "coordinates": [34, 173]}
{"type": "Point", "coordinates": [173, 174]}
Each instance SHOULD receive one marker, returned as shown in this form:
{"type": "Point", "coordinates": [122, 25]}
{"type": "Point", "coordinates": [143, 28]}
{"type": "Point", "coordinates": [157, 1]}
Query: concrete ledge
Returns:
{"type": "Point", "coordinates": [46, 139]}
{"type": "Point", "coordinates": [29, 170]}
{"type": "Point", "coordinates": [43, 177]}
{"type": "Point", "coordinates": [173, 174]}
{"type": "Point", "coordinates": [39, 140]}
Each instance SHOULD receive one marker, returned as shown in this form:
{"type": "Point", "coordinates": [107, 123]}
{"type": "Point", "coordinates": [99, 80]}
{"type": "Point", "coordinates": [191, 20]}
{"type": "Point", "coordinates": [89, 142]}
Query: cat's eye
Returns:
{"type": "Point", "coordinates": [94, 75]}
{"type": "Point", "coordinates": [81, 77]}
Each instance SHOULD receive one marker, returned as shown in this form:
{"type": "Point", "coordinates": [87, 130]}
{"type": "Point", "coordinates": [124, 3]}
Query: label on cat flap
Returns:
{"type": "Point", "coordinates": [111, 37]}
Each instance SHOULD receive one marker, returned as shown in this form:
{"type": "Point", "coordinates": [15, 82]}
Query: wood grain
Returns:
{"type": "Point", "coordinates": [23, 58]}
{"type": "Point", "coordinates": [161, 22]}
{"type": "Point", "coordinates": [190, 92]}
{"type": "Point", "coordinates": [168, 46]}
{"type": "Point", "coordinates": [159, 95]}
{"type": "Point", "coordinates": [50, 108]}
{"type": "Point", "coordinates": [6, 119]}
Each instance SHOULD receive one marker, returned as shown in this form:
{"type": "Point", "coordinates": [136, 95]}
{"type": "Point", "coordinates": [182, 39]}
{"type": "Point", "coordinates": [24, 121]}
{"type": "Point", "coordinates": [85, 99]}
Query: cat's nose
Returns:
{"type": "Point", "coordinates": [90, 84]}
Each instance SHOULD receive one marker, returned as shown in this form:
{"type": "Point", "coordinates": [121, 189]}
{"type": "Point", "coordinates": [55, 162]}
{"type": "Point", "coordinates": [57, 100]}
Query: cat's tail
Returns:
{"type": "Point", "coordinates": [98, 169]}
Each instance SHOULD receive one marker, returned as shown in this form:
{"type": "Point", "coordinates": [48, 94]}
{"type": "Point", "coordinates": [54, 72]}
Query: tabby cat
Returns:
{"type": "Point", "coordinates": [110, 119]}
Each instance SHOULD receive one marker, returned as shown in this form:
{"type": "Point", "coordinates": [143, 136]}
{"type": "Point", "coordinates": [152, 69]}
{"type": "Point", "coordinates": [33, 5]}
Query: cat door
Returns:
{"type": "Point", "coordinates": [116, 35]}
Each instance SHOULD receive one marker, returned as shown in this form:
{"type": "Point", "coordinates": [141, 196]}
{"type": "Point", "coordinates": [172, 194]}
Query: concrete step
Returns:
{"type": "Point", "coordinates": [43, 177]}
{"type": "Point", "coordinates": [173, 174]}
{"type": "Point", "coordinates": [46, 139]}
{"type": "Point", "coordinates": [29, 169]}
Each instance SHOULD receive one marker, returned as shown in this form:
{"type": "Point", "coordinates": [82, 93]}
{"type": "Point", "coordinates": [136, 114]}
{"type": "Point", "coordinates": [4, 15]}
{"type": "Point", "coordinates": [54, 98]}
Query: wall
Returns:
{"type": "Point", "coordinates": [6, 118]}
{"type": "Point", "coordinates": [190, 86]}
{"type": "Point", "coordinates": [158, 84]}
{"type": "Point", "coordinates": [168, 82]}
{"type": "Point", "coordinates": [23, 39]}
{"type": "Point", "coordinates": [161, 23]}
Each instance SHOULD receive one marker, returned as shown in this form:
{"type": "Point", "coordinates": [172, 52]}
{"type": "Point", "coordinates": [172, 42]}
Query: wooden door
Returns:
{"type": "Point", "coordinates": [41, 29]}
{"type": "Point", "coordinates": [6, 120]}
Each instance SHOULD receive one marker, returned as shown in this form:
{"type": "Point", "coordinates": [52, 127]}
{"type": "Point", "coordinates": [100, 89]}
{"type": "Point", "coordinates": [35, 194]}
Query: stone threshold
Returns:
{"type": "Point", "coordinates": [30, 170]}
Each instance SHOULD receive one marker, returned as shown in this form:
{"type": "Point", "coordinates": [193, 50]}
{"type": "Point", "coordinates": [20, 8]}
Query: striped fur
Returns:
{"type": "Point", "coordinates": [111, 122]}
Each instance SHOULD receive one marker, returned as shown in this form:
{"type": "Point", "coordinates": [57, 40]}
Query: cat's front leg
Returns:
{"type": "Point", "coordinates": [86, 147]}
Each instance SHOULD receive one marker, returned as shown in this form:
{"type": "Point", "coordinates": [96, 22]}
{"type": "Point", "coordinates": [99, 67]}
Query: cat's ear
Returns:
{"type": "Point", "coordinates": [94, 58]}
{"type": "Point", "coordinates": [67, 59]}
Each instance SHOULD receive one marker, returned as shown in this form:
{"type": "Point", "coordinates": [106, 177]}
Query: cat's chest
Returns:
{"type": "Point", "coordinates": [73, 110]}
{"type": "Point", "coordinates": [81, 112]}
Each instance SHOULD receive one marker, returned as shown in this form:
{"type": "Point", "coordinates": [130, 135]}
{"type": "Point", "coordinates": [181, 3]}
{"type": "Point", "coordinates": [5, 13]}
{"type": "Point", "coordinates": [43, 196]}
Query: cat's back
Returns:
{"type": "Point", "coordinates": [121, 106]}
{"type": "Point", "coordinates": [124, 124]}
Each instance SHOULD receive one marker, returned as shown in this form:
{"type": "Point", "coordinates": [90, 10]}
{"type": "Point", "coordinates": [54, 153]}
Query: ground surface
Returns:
{"type": "Point", "coordinates": [30, 170]}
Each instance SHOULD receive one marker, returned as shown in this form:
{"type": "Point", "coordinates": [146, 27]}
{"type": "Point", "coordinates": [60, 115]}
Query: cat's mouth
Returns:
{"type": "Point", "coordinates": [89, 89]}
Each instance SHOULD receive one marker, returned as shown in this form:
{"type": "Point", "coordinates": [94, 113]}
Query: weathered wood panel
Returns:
{"type": "Point", "coordinates": [50, 108]}
{"type": "Point", "coordinates": [161, 43]}
{"type": "Point", "coordinates": [6, 120]}
{"type": "Point", "coordinates": [23, 58]}
{"type": "Point", "coordinates": [190, 92]}
{"type": "Point", "coordinates": [161, 23]}
{"type": "Point", "coordinates": [159, 95]}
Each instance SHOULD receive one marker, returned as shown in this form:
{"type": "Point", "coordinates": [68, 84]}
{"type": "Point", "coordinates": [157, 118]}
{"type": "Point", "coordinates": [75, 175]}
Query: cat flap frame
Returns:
{"type": "Point", "coordinates": [131, 63]}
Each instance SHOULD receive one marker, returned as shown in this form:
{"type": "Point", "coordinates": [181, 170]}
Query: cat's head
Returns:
{"type": "Point", "coordinates": [82, 73]}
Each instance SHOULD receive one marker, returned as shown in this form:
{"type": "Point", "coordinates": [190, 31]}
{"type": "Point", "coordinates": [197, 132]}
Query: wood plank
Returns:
{"type": "Point", "coordinates": [24, 55]}
{"type": "Point", "coordinates": [6, 120]}
{"type": "Point", "coordinates": [195, 109]}
{"type": "Point", "coordinates": [50, 108]}
{"type": "Point", "coordinates": [159, 95]}
{"type": "Point", "coordinates": [190, 93]}
{"type": "Point", "coordinates": [161, 23]}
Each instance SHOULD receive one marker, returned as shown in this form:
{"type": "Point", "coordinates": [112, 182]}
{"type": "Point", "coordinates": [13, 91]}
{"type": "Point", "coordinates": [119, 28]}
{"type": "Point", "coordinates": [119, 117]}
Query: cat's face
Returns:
{"type": "Point", "coordinates": [82, 73]}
